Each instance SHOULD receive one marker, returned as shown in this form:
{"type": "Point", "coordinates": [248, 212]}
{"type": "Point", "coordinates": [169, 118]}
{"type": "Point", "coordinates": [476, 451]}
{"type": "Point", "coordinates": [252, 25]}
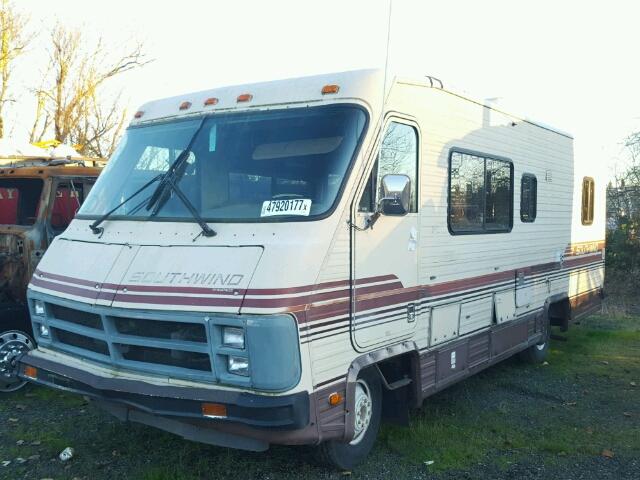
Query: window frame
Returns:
{"type": "Point", "coordinates": [367, 178]}
{"type": "Point", "coordinates": [535, 205]}
{"type": "Point", "coordinates": [588, 220]}
{"type": "Point", "coordinates": [486, 156]}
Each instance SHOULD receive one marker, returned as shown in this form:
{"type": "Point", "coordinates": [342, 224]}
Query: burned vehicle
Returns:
{"type": "Point", "coordinates": [38, 199]}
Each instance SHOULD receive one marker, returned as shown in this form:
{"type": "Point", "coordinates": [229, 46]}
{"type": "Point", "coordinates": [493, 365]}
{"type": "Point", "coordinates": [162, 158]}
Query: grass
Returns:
{"type": "Point", "coordinates": [556, 415]}
{"type": "Point", "coordinates": [545, 409]}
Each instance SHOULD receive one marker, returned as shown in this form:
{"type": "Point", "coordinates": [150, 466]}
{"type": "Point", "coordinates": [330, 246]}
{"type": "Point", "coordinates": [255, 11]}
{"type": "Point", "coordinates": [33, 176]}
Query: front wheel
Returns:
{"type": "Point", "coordinates": [13, 344]}
{"type": "Point", "coordinates": [366, 417]}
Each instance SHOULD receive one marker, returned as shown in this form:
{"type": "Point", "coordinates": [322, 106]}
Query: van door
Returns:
{"type": "Point", "coordinates": [385, 251]}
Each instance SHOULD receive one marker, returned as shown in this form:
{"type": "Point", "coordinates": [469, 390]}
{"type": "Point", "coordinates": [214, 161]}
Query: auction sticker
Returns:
{"type": "Point", "coordinates": [296, 206]}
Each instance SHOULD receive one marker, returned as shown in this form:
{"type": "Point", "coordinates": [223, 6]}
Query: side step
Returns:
{"type": "Point", "coordinates": [403, 382]}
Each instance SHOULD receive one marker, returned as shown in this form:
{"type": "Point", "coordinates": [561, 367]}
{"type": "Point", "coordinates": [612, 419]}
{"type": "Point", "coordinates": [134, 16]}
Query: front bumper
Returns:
{"type": "Point", "coordinates": [252, 421]}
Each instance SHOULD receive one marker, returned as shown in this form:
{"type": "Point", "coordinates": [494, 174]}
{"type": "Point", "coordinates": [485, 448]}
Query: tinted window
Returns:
{"type": "Point", "coordinates": [480, 193]}
{"type": "Point", "coordinates": [588, 194]}
{"type": "Point", "coordinates": [528, 198]}
{"type": "Point", "coordinates": [398, 155]}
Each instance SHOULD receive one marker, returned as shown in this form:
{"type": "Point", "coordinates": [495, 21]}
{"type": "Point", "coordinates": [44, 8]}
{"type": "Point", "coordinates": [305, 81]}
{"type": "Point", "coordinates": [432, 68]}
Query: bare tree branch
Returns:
{"type": "Point", "coordinates": [74, 96]}
{"type": "Point", "coordinates": [14, 39]}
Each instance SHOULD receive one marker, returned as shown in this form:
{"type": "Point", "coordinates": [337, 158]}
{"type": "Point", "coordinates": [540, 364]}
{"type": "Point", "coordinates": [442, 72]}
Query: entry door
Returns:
{"type": "Point", "coordinates": [385, 254]}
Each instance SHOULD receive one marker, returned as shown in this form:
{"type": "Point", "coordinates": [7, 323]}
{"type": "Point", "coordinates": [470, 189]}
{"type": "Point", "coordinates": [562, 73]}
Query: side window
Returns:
{"type": "Point", "coordinates": [65, 205]}
{"type": "Point", "coordinates": [588, 194]}
{"type": "Point", "coordinates": [480, 193]}
{"type": "Point", "coordinates": [528, 198]}
{"type": "Point", "coordinates": [398, 155]}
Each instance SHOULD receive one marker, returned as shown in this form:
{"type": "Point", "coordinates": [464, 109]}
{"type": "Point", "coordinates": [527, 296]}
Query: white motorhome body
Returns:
{"type": "Point", "coordinates": [410, 241]}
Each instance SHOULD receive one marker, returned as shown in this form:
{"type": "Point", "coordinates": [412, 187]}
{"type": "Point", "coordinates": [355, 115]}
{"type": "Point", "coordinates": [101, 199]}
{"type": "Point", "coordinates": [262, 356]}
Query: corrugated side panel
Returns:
{"type": "Point", "coordinates": [479, 349]}
{"type": "Point", "coordinates": [428, 371]}
{"type": "Point", "coordinates": [331, 419]}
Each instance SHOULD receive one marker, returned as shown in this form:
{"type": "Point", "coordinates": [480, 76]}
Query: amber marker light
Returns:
{"type": "Point", "coordinates": [245, 97]}
{"type": "Point", "coordinates": [335, 399]}
{"type": "Point", "coordinates": [31, 372]}
{"type": "Point", "coordinates": [185, 105]}
{"type": "Point", "coordinates": [329, 89]}
{"type": "Point", "coordinates": [214, 410]}
{"type": "Point", "coordinates": [138, 114]}
{"type": "Point", "coordinates": [210, 101]}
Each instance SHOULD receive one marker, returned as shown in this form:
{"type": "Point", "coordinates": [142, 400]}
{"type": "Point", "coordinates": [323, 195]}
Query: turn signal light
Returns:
{"type": "Point", "coordinates": [138, 114]}
{"type": "Point", "coordinates": [210, 101]}
{"type": "Point", "coordinates": [31, 372]}
{"type": "Point", "coordinates": [185, 105]}
{"type": "Point", "coordinates": [327, 89]}
{"type": "Point", "coordinates": [335, 399]}
{"type": "Point", "coordinates": [214, 410]}
{"type": "Point", "coordinates": [245, 97]}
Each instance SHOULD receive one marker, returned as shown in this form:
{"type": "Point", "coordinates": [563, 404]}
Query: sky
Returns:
{"type": "Point", "coordinates": [571, 64]}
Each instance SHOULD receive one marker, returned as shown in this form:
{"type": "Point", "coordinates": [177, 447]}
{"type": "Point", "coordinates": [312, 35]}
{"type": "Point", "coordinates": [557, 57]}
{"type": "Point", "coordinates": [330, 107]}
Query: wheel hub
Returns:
{"type": "Point", "coordinates": [13, 344]}
{"type": "Point", "coordinates": [363, 411]}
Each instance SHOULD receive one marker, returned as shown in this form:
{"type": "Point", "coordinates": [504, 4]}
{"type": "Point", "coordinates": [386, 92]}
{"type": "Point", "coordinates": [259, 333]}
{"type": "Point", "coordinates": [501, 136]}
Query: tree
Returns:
{"type": "Point", "coordinates": [623, 234]}
{"type": "Point", "coordinates": [14, 40]}
{"type": "Point", "coordinates": [71, 99]}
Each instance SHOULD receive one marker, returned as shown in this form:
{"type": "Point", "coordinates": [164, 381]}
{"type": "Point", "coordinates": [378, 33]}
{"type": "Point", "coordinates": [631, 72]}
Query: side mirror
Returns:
{"type": "Point", "coordinates": [395, 191]}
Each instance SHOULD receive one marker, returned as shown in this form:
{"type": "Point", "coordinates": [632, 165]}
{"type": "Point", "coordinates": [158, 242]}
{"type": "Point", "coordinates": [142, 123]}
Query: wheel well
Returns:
{"type": "Point", "coordinates": [559, 312]}
{"type": "Point", "coordinates": [396, 402]}
{"type": "Point", "coordinates": [15, 317]}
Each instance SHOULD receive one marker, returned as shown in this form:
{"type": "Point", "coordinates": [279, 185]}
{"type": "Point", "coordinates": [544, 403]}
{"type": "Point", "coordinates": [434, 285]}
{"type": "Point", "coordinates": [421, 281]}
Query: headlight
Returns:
{"type": "Point", "coordinates": [238, 365]}
{"type": "Point", "coordinates": [44, 331]}
{"type": "Point", "coordinates": [233, 337]}
{"type": "Point", "coordinates": [38, 307]}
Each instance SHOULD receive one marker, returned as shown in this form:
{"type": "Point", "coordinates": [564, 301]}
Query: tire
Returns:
{"type": "Point", "coordinates": [537, 353]}
{"type": "Point", "coordinates": [346, 455]}
{"type": "Point", "coordinates": [13, 343]}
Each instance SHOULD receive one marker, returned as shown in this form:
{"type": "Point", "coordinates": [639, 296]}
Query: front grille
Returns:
{"type": "Point", "coordinates": [158, 345]}
{"type": "Point", "coordinates": [191, 332]}
{"type": "Point", "coordinates": [78, 317]}
{"type": "Point", "coordinates": [80, 341]}
{"type": "Point", "coordinates": [174, 358]}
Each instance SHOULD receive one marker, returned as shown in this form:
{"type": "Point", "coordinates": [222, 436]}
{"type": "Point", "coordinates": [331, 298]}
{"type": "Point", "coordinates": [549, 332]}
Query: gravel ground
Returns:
{"type": "Point", "coordinates": [578, 417]}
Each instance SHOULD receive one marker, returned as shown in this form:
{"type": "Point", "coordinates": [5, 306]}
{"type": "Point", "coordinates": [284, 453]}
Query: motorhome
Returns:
{"type": "Point", "coordinates": [39, 195]}
{"type": "Point", "coordinates": [291, 262]}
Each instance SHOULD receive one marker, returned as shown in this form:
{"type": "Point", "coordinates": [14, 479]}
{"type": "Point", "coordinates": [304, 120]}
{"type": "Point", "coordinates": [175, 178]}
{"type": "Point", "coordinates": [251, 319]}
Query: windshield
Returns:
{"type": "Point", "coordinates": [277, 165]}
{"type": "Point", "coordinates": [19, 198]}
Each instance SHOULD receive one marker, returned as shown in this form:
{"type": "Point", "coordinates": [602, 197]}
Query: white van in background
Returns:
{"type": "Point", "coordinates": [272, 263]}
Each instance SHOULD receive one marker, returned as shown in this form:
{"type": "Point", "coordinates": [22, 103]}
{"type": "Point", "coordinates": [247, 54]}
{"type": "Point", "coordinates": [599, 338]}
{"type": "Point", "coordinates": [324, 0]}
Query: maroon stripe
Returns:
{"type": "Point", "coordinates": [326, 311]}
{"type": "Point", "coordinates": [408, 295]}
{"type": "Point", "coordinates": [209, 290]}
{"type": "Point", "coordinates": [77, 281]}
{"type": "Point", "coordinates": [467, 283]}
{"type": "Point", "coordinates": [390, 294]}
{"type": "Point", "coordinates": [79, 292]}
{"type": "Point", "coordinates": [576, 262]}
{"type": "Point", "coordinates": [323, 324]}
{"type": "Point", "coordinates": [196, 290]}
{"type": "Point", "coordinates": [304, 301]}
{"type": "Point", "coordinates": [544, 268]}
{"type": "Point", "coordinates": [168, 300]}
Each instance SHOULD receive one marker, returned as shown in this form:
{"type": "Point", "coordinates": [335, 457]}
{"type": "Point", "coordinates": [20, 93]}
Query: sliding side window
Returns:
{"type": "Point", "coordinates": [588, 194]}
{"type": "Point", "coordinates": [528, 198]}
{"type": "Point", "coordinates": [480, 193]}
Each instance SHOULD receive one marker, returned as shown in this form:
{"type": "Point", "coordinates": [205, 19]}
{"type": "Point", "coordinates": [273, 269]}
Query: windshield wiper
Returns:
{"type": "Point", "coordinates": [95, 228]}
{"type": "Point", "coordinates": [169, 183]}
{"type": "Point", "coordinates": [172, 186]}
